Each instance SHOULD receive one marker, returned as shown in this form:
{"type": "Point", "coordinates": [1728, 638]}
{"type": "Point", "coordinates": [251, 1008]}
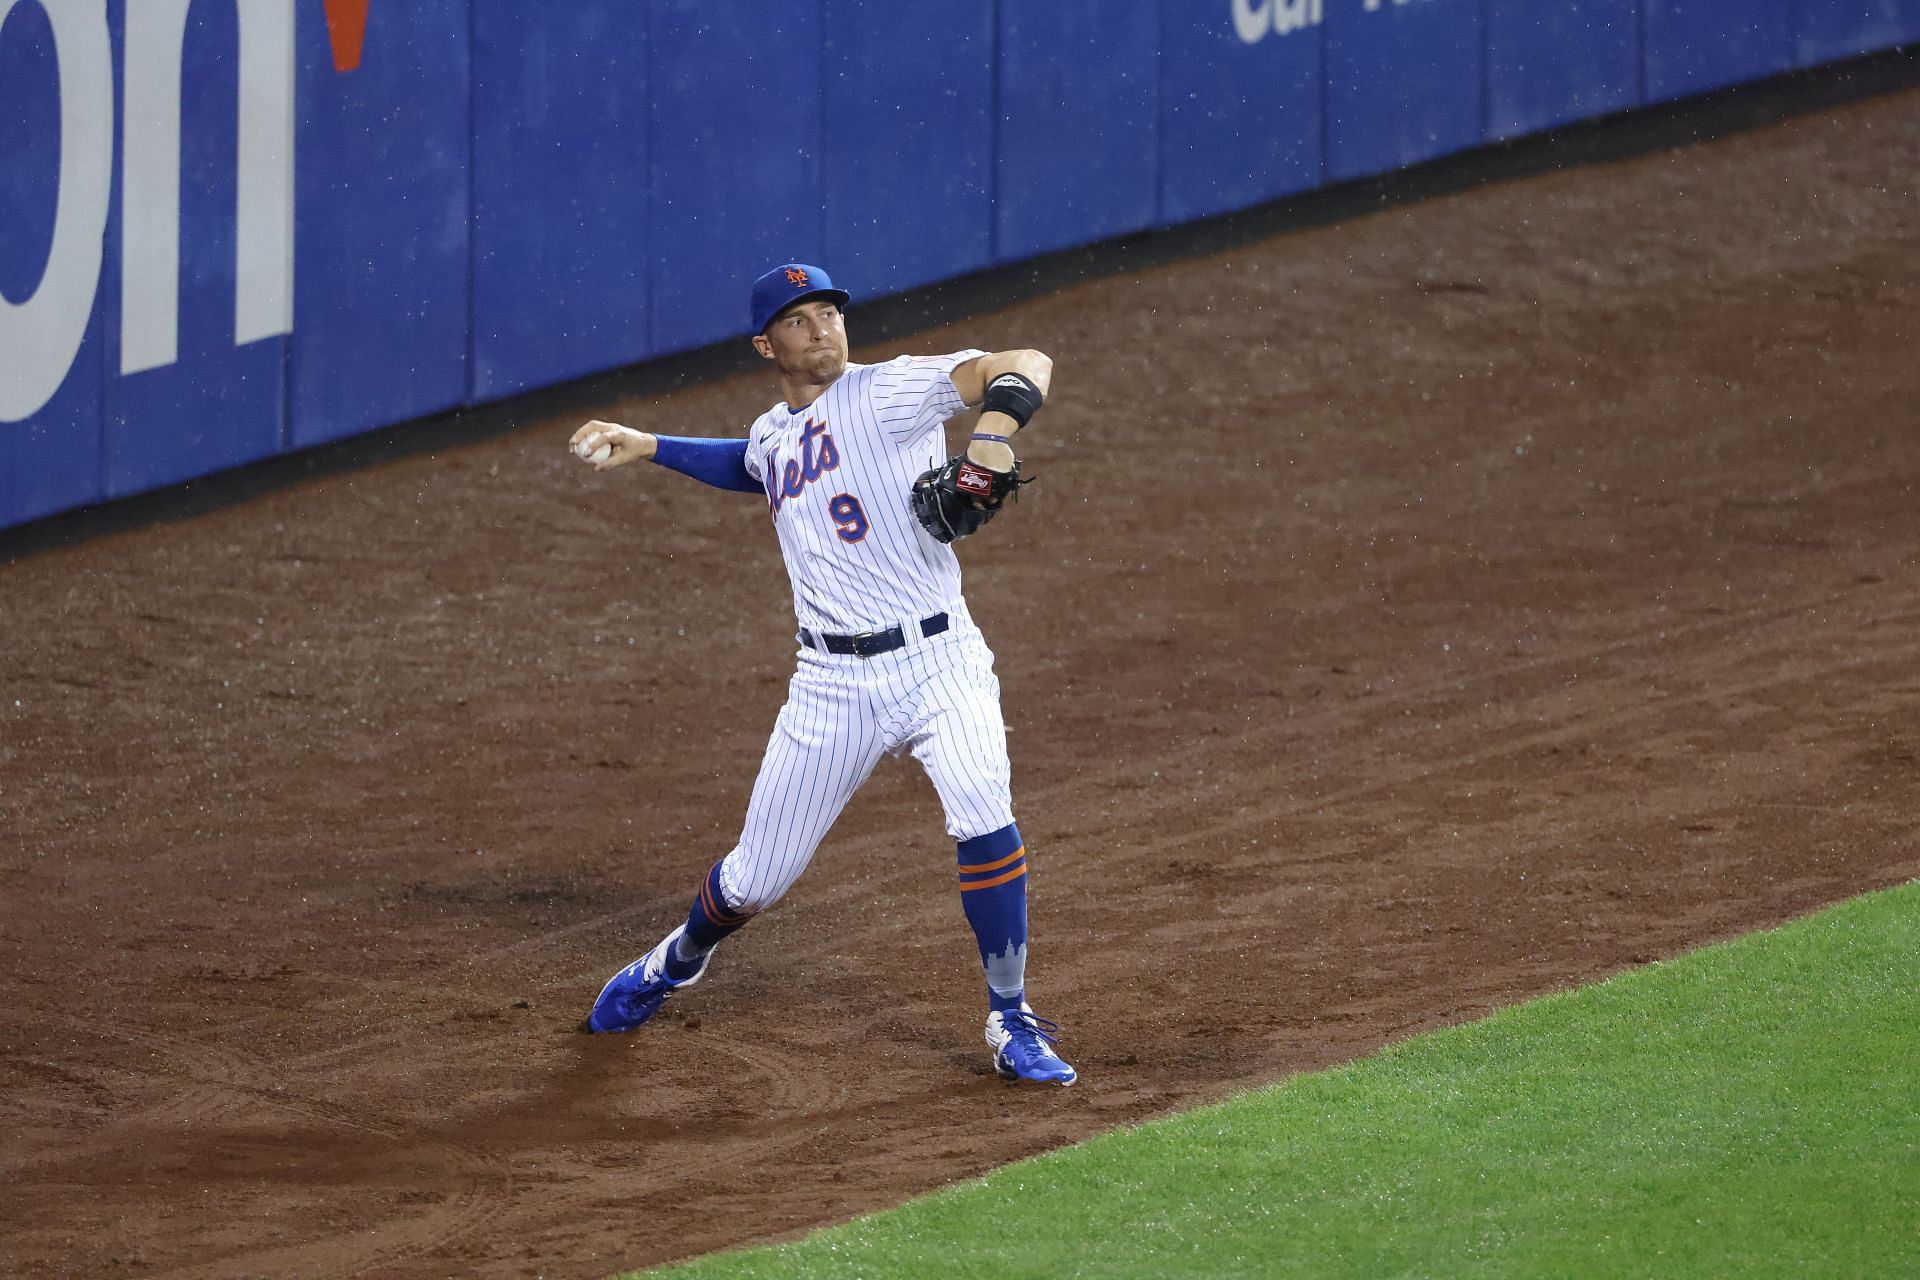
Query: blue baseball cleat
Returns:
{"type": "Point", "coordinates": [1023, 1047]}
{"type": "Point", "coordinates": [636, 993]}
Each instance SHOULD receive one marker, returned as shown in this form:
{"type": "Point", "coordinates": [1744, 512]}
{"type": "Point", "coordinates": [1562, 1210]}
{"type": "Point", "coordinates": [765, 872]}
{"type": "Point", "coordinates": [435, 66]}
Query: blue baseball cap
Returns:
{"type": "Point", "coordinates": [787, 284]}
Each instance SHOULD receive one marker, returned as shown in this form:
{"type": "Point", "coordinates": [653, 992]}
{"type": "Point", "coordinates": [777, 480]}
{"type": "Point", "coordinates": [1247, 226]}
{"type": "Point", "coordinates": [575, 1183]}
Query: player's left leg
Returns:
{"type": "Point", "coordinates": [961, 741]}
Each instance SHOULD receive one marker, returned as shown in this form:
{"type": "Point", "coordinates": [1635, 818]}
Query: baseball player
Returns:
{"type": "Point", "coordinates": [866, 505]}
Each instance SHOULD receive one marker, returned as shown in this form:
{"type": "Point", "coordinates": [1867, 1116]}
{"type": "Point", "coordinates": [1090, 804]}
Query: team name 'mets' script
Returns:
{"type": "Point", "coordinates": [792, 479]}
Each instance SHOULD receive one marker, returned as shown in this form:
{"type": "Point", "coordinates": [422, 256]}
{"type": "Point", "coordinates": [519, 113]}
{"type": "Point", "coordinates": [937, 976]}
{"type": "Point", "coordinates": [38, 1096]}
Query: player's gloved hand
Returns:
{"type": "Point", "coordinates": [957, 497]}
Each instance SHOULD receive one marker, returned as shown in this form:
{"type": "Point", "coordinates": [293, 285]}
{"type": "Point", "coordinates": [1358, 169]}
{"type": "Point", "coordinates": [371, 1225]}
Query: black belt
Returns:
{"type": "Point", "coordinates": [870, 644]}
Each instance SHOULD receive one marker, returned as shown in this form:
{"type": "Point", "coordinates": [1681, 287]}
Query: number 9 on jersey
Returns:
{"type": "Point", "coordinates": [849, 515]}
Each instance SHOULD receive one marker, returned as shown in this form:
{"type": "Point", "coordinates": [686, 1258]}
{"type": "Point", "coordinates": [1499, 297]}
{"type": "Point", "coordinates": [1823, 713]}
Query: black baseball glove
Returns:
{"type": "Point", "coordinates": [957, 497]}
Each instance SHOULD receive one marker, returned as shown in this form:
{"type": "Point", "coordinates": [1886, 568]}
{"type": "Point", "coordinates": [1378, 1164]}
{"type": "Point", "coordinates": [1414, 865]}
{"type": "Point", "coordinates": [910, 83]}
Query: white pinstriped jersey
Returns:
{"type": "Point", "coordinates": [838, 474]}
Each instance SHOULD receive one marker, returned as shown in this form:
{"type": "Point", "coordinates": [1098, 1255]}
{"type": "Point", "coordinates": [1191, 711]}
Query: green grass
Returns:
{"type": "Point", "coordinates": [1752, 1109]}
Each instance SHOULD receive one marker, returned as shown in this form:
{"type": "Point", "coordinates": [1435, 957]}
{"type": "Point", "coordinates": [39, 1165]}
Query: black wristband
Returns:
{"type": "Point", "coordinates": [1015, 395]}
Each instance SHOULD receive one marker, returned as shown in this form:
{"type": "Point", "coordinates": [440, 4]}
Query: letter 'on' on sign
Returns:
{"type": "Point", "coordinates": [150, 164]}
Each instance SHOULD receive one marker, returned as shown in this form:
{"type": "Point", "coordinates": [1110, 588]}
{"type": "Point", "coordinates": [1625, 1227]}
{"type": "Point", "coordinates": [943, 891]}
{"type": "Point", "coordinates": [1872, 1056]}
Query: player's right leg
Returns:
{"type": "Point", "coordinates": [824, 745]}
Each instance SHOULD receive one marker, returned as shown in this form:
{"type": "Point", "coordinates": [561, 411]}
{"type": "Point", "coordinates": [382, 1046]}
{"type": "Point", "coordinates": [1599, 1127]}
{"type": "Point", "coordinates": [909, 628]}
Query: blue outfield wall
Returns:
{"type": "Point", "coordinates": [560, 186]}
{"type": "Point", "coordinates": [1550, 64]}
{"type": "Point", "coordinates": [1693, 46]}
{"type": "Point", "coordinates": [1240, 116]}
{"type": "Point", "coordinates": [1078, 132]}
{"type": "Point", "coordinates": [235, 228]}
{"type": "Point", "coordinates": [911, 82]}
{"type": "Point", "coordinates": [1404, 83]}
{"type": "Point", "coordinates": [1828, 29]}
{"type": "Point", "coordinates": [383, 205]}
{"type": "Point", "coordinates": [734, 156]}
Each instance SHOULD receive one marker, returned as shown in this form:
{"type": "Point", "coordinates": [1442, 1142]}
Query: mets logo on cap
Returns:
{"type": "Point", "coordinates": [797, 277]}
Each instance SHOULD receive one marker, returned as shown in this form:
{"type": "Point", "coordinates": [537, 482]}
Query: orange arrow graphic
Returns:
{"type": "Point", "coordinates": [346, 27]}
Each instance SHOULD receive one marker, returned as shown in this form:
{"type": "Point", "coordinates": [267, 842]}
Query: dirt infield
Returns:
{"type": "Point", "coordinates": [1415, 615]}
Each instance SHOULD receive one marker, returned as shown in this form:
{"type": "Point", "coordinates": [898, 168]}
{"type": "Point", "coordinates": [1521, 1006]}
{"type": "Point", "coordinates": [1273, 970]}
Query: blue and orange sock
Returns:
{"type": "Point", "coordinates": [993, 891]}
{"type": "Point", "coordinates": [708, 922]}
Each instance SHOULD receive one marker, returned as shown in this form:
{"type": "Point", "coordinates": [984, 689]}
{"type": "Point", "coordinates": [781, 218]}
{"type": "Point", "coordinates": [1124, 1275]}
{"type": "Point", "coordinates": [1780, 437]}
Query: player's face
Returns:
{"type": "Point", "coordinates": [807, 342]}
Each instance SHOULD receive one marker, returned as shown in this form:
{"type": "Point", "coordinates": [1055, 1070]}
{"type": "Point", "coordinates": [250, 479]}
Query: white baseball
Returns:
{"type": "Point", "coordinates": [601, 454]}
{"type": "Point", "coordinates": [594, 449]}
